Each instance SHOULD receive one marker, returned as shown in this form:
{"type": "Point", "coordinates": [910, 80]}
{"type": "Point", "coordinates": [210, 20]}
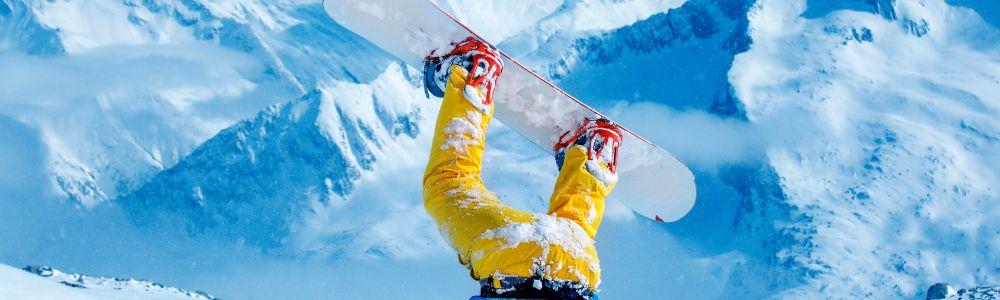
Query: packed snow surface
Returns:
{"type": "Point", "coordinates": [43, 283]}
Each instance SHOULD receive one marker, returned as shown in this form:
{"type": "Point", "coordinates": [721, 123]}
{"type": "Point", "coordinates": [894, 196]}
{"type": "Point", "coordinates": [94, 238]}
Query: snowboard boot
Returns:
{"type": "Point", "coordinates": [480, 59]}
{"type": "Point", "coordinates": [601, 138]}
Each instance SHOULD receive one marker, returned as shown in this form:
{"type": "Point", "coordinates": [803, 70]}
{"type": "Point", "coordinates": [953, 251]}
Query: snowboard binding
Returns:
{"type": "Point", "coordinates": [602, 138]}
{"type": "Point", "coordinates": [480, 59]}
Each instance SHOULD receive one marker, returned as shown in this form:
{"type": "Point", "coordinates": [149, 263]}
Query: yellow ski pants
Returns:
{"type": "Point", "coordinates": [494, 240]}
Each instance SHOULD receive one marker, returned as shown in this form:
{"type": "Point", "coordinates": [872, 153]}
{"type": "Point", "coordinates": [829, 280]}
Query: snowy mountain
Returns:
{"type": "Point", "coordinates": [895, 114]}
{"type": "Point", "coordinates": [48, 283]}
{"type": "Point", "coordinates": [151, 80]}
{"type": "Point", "coordinates": [290, 161]}
{"type": "Point", "coordinates": [843, 149]}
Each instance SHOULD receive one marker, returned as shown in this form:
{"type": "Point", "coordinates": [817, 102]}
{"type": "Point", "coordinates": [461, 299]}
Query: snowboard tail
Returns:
{"type": "Point", "coordinates": [652, 181]}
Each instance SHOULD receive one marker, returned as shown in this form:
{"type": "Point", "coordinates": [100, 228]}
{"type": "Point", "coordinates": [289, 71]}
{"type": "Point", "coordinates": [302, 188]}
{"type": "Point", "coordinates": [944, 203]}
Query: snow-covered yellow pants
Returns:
{"type": "Point", "coordinates": [494, 240]}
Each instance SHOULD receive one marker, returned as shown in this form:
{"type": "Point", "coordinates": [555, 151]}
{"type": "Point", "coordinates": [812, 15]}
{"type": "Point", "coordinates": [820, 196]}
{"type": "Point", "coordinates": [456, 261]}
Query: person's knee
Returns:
{"type": "Point", "coordinates": [449, 183]}
{"type": "Point", "coordinates": [437, 180]}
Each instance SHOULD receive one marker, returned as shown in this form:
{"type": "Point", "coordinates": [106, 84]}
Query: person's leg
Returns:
{"type": "Point", "coordinates": [578, 195]}
{"type": "Point", "coordinates": [585, 179]}
{"type": "Point", "coordinates": [454, 194]}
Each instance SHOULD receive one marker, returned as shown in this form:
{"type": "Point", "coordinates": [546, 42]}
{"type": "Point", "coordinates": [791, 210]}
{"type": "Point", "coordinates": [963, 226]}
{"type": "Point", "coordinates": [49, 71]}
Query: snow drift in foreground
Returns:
{"type": "Point", "coordinates": [44, 283]}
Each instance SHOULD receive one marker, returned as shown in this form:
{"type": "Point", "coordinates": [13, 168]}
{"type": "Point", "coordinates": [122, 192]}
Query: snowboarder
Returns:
{"type": "Point", "coordinates": [512, 253]}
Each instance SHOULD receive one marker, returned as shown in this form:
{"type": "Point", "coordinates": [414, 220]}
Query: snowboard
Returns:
{"type": "Point", "coordinates": [652, 182]}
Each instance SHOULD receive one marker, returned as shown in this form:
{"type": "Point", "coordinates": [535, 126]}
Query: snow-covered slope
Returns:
{"type": "Point", "coordinates": [147, 81]}
{"type": "Point", "coordinates": [44, 283]}
{"type": "Point", "coordinates": [265, 177]}
{"type": "Point", "coordinates": [888, 120]}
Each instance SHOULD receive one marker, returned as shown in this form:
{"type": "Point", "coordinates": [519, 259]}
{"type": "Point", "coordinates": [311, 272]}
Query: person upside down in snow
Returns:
{"type": "Point", "coordinates": [512, 253]}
